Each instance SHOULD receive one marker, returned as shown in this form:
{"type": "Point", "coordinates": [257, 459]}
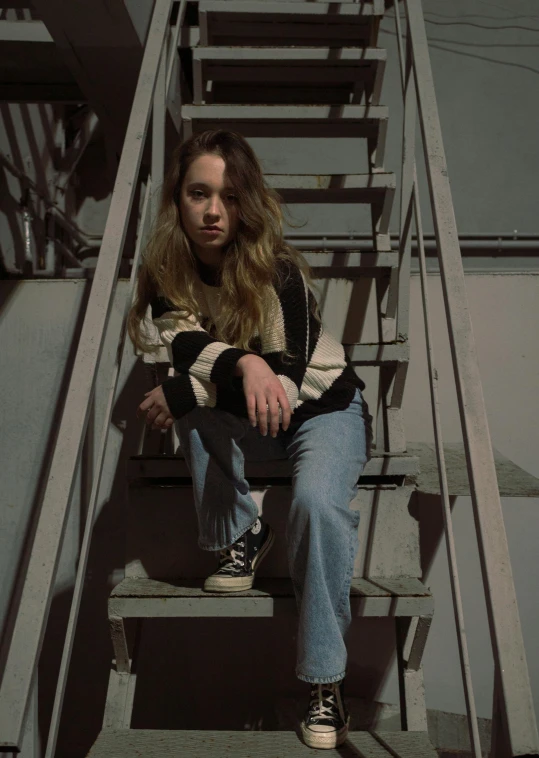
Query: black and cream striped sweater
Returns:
{"type": "Point", "coordinates": [319, 380]}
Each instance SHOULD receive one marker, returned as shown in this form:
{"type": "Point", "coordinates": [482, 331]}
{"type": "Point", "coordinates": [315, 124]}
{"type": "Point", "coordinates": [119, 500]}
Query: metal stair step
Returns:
{"type": "Point", "coordinates": [337, 188]}
{"type": "Point", "coordinates": [153, 598]}
{"type": "Point", "coordinates": [348, 264]}
{"type": "Point", "coordinates": [173, 467]}
{"type": "Point", "coordinates": [513, 481]}
{"type": "Point", "coordinates": [299, 74]}
{"type": "Point", "coordinates": [264, 56]}
{"type": "Point", "coordinates": [293, 23]}
{"type": "Point", "coordinates": [288, 120]}
{"type": "Point", "coordinates": [378, 354]}
{"type": "Point", "coordinates": [308, 7]}
{"type": "Point", "coordinates": [125, 743]}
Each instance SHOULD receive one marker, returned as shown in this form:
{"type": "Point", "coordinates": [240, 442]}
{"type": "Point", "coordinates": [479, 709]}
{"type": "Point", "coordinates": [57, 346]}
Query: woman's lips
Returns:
{"type": "Point", "coordinates": [212, 232]}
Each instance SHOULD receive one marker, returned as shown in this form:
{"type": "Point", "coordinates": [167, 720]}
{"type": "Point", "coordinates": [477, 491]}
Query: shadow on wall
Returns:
{"type": "Point", "coordinates": [39, 178]}
{"type": "Point", "coordinates": [9, 293]}
{"type": "Point", "coordinates": [92, 651]}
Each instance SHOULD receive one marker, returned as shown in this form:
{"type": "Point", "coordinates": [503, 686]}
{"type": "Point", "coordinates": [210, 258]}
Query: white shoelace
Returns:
{"type": "Point", "coordinates": [318, 709]}
{"type": "Point", "coordinates": [232, 560]}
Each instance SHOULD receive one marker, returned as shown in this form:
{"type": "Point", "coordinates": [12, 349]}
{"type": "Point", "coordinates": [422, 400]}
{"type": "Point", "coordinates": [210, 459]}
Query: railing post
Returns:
{"type": "Point", "coordinates": [158, 134]}
{"type": "Point", "coordinates": [504, 620]}
{"type": "Point", "coordinates": [410, 101]}
{"type": "Point", "coordinates": [402, 293]}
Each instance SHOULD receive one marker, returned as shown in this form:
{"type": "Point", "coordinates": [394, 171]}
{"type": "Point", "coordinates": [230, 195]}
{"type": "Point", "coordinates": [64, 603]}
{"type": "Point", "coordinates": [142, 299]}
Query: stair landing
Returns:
{"type": "Point", "coordinates": [154, 743]}
{"type": "Point", "coordinates": [151, 598]}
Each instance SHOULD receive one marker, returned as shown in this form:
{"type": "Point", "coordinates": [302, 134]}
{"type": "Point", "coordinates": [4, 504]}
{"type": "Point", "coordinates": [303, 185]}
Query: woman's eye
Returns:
{"type": "Point", "coordinates": [199, 194]}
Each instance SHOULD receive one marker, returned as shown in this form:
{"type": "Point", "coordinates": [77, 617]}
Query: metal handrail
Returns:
{"type": "Point", "coordinates": [124, 349]}
{"type": "Point", "coordinates": [516, 735]}
{"type": "Point", "coordinates": [410, 201]}
{"type": "Point", "coordinates": [36, 597]}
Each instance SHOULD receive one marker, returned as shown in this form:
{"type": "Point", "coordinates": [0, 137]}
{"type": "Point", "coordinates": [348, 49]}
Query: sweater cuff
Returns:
{"type": "Point", "coordinates": [179, 394]}
{"type": "Point", "coordinates": [225, 365]}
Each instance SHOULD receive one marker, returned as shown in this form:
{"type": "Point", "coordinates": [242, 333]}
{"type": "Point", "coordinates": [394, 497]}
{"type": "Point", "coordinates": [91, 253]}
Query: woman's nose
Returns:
{"type": "Point", "coordinates": [214, 207]}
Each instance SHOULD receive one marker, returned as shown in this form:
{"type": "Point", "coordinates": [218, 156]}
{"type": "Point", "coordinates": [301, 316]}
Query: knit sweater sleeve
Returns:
{"type": "Point", "coordinates": [203, 363]}
{"type": "Point", "coordinates": [287, 331]}
{"type": "Point", "coordinates": [190, 347]}
{"type": "Point", "coordinates": [206, 366]}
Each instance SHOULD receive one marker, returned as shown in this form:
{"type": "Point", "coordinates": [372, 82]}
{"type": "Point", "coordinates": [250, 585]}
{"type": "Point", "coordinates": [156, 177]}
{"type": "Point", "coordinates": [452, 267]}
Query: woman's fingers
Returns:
{"type": "Point", "coordinates": [162, 421]}
{"type": "Point", "coordinates": [285, 410]}
{"type": "Point", "coordinates": [251, 409]}
{"type": "Point", "coordinates": [158, 413]}
{"type": "Point", "coordinates": [157, 417]}
{"type": "Point", "coordinates": [272, 410]}
{"type": "Point", "coordinates": [273, 415]}
{"type": "Point", "coordinates": [262, 410]}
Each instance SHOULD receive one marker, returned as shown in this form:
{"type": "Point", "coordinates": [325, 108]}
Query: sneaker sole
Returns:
{"type": "Point", "coordinates": [239, 583]}
{"type": "Point", "coordinates": [324, 740]}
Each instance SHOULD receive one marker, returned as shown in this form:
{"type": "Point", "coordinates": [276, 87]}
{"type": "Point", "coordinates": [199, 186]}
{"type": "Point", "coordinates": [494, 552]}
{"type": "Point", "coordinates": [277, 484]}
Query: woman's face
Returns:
{"type": "Point", "coordinates": [207, 200]}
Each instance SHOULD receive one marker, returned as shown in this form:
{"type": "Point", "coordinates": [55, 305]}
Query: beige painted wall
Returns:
{"type": "Point", "coordinates": [504, 313]}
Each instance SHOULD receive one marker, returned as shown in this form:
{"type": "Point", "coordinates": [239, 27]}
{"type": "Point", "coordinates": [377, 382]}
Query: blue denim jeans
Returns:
{"type": "Point", "coordinates": [328, 454]}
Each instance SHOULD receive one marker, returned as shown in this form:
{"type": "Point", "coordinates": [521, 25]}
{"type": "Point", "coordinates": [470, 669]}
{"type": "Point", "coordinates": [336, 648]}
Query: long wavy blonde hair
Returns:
{"type": "Point", "coordinates": [249, 266]}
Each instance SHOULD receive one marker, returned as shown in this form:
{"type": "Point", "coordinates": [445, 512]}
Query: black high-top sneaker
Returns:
{"type": "Point", "coordinates": [238, 563]}
{"type": "Point", "coordinates": [326, 722]}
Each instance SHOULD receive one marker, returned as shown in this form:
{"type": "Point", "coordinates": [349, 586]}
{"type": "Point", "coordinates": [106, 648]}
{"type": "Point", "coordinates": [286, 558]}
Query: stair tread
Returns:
{"type": "Point", "coordinates": [412, 454]}
{"type": "Point", "coordinates": [174, 467]}
{"type": "Point", "coordinates": [143, 587]}
{"type": "Point", "coordinates": [112, 743]}
{"type": "Point", "coordinates": [377, 597]}
{"type": "Point", "coordinates": [295, 7]}
{"type": "Point", "coordinates": [513, 481]}
{"type": "Point", "coordinates": [324, 113]}
{"type": "Point", "coordinates": [348, 259]}
{"type": "Point", "coordinates": [336, 188]}
{"type": "Point", "coordinates": [236, 71]}
{"type": "Point", "coordinates": [238, 53]}
{"type": "Point", "coordinates": [327, 263]}
{"type": "Point", "coordinates": [278, 120]}
{"type": "Point", "coordinates": [298, 23]}
{"type": "Point", "coordinates": [378, 181]}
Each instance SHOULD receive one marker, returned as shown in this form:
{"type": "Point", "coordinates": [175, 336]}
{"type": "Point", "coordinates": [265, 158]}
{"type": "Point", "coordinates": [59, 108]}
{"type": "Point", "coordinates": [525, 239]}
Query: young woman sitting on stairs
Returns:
{"type": "Point", "coordinates": [234, 308]}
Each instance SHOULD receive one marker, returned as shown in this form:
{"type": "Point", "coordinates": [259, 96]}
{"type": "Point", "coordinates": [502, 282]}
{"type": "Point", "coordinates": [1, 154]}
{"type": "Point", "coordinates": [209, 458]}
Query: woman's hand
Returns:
{"type": "Point", "coordinates": [158, 411]}
{"type": "Point", "coordinates": [264, 393]}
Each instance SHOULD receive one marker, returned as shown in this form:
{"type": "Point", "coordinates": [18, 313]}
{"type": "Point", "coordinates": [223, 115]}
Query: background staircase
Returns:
{"type": "Point", "coordinates": [284, 70]}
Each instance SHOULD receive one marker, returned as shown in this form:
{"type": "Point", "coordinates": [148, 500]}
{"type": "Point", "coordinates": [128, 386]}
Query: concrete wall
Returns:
{"type": "Point", "coordinates": [484, 62]}
{"type": "Point", "coordinates": [503, 310]}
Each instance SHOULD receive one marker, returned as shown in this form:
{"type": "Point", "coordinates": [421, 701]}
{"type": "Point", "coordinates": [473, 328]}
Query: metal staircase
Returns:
{"type": "Point", "coordinates": [306, 69]}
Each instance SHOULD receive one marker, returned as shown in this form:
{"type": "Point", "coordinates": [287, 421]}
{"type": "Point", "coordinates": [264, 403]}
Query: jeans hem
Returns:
{"type": "Point", "coordinates": [320, 679]}
{"type": "Point", "coordinates": [228, 544]}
